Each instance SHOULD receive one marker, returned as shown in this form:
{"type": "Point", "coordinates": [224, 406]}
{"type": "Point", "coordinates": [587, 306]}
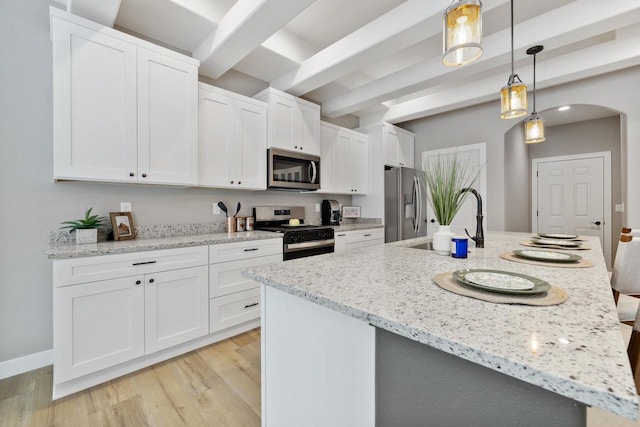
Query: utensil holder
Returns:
{"type": "Point", "coordinates": [231, 224]}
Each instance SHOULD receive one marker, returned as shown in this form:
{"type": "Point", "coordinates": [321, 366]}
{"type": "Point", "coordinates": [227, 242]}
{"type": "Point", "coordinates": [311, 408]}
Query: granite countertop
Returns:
{"type": "Point", "coordinates": [351, 227]}
{"type": "Point", "coordinates": [140, 245]}
{"type": "Point", "coordinates": [574, 349]}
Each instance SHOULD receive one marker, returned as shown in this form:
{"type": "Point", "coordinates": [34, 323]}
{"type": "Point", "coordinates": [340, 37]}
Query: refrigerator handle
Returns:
{"type": "Point", "coordinates": [419, 202]}
{"type": "Point", "coordinates": [416, 204]}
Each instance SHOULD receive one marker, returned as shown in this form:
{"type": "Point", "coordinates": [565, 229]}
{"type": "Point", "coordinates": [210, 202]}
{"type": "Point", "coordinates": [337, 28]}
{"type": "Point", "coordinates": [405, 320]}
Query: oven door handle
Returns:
{"type": "Point", "coordinates": [292, 247]}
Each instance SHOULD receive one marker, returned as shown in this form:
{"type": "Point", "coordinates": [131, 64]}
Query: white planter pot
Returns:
{"type": "Point", "coordinates": [442, 240]}
{"type": "Point", "coordinates": [86, 235]}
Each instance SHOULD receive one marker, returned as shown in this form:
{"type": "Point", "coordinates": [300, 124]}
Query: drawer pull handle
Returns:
{"type": "Point", "coordinates": [367, 235]}
{"type": "Point", "coordinates": [341, 235]}
{"type": "Point", "coordinates": [251, 305]}
{"type": "Point", "coordinates": [145, 262]}
{"type": "Point", "coordinates": [251, 249]}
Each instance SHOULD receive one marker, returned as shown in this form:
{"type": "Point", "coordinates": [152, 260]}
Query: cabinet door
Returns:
{"type": "Point", "coordinates": [282, 119]}
{"type": "Point", "coordinates": [97, 325]}
{"type": "Point", "coordinates": [252, 145]}
{"type": "Point", "coordinates": [94, 105]}
{"type": "Point", "coordinates": [340, 244]}
{"type": "Point", "coordinates": [360, 164]}
{"type": "Point", "coordinates": [167, 120]}
{"type": "Point", "coordinates": [217, 140]}
{"type": "Point", "coordinates": [307, 136]}
{"type": "Point", "coordinates": [328, 156]}
{"type": "Point", "coordinates": [391, 146]}
{"type": "Point", "coordinates": [405, 149]}
{"type": "Point", "coordinates": [176, 307]}
{"type": "Point", "coordinates": [344, 180]}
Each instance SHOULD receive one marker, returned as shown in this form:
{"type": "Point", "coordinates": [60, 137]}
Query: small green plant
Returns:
{"type": "Point", "coordinates": [445, 177]}
{"type": "Point", "coordinates": [89, 221]}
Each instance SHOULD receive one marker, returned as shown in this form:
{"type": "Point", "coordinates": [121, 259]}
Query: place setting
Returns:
{"type": "Point", "coordinates": [501, 287]}
{"type": "Point", "coordinates": [546, 258]}
{"type": "Point", "coordinates": [556, 241]}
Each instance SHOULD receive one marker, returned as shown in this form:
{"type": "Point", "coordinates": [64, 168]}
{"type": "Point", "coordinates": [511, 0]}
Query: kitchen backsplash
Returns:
{"type": "Point", "coordinates": [63, 237]}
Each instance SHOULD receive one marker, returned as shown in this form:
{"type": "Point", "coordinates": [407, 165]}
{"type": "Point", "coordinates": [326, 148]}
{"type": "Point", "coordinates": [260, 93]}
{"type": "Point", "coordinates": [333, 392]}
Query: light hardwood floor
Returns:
{"type": "Point", "coordinates": [218, 385]}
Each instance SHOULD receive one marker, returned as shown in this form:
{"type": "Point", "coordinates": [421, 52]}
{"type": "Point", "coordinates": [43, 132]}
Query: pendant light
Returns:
{"type": "Point", "coordinates": [534, 125]}
{"type": "Point", "coordinates": [513, 97]}
{"type": "Point", "coordinates": [462, 31]}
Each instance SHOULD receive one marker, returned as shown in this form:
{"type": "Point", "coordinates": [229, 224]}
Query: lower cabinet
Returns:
{"type": "Point", "coordinates": [353, 239]}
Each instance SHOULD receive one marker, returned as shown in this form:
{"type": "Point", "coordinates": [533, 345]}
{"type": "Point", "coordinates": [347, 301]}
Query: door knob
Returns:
{"type": "Point", "coordinates": [596, 222]}
{"type": "Point", "coordinates": [433, 221]}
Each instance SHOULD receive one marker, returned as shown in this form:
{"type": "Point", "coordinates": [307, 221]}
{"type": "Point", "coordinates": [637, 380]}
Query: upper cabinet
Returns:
{"type": "Point", "coordinates": [125, 110]}
{"type": "Point", "coordinates": [344, 160]}
{"type": "Point", "coordinates": [293, 123]}
{"type": "Point", "coordinates": [232, 140]}
{"type": "Point", "coordinates": [398, 146]}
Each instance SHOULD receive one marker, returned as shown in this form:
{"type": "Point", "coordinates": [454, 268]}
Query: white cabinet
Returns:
{"type": "Point", "coordinates": [124, 110]}
{"type": "Point", "coordinates": [232, 140]}
{"type": "Point", "coordinates": [112, 309]}
{"type": "Point", "coordinates": [293, 123]}
{"type": "Point", "coordinates": [344, 160]}
{"type": "Point", "coordinates": [398, 146]}
{"type": "Point", "coordinates": [235, 300]}
{"type": "Point", "coordinates": [353, 239]}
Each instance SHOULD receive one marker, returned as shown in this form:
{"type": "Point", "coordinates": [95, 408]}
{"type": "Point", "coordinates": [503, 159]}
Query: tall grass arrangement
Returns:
{"type": "Point", "coordinates": [446, 177]}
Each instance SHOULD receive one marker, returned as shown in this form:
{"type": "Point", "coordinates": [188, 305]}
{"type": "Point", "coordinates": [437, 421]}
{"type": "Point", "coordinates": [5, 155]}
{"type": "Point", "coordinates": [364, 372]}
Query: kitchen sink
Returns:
{"type": "Point", "coordinates": [427, 246]}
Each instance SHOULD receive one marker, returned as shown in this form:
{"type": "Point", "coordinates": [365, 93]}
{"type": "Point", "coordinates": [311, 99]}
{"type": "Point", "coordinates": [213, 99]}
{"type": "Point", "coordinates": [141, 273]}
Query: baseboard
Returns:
{"type": "Point", "coordinates": [26, 363]}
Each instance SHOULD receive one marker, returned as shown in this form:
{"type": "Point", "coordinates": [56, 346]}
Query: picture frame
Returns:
{"type": "Point", "coordinates": [122, 224]}
{"type": "Point", "coordinates": [351, 211]}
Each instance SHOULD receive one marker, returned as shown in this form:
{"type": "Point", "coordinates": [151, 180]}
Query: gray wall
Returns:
{"type": "Point", "coordinates": [517, 182]}
{"type": "Point", "coordinates": [32, 204]}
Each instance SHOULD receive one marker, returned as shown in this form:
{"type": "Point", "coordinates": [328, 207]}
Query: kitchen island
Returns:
{"type": "Point", "coordinates": [366, 338]}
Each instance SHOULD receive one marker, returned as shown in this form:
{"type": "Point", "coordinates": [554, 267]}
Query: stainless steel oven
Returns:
{"type": "Point", "coordinates": [300, 240]}
{"type": "Point", "coordinates": [288, 170]}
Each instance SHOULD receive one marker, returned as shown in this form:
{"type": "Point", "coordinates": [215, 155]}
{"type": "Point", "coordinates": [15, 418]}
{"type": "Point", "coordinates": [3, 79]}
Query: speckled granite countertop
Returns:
{"type": "Point", "coordinates": [351, 227]}
{"type": "Point", "coordinates": [140, 245]}
{"type": "Point", "coordinates": [574, 349]}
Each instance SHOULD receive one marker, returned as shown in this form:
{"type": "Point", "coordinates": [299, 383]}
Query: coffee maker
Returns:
{"type": "Point", "coordinates": [330, 212]}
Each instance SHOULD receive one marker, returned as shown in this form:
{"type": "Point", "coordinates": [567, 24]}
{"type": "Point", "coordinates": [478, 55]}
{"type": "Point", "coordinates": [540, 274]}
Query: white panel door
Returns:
{"type": "Point", "coordinates": [344, 166]}
{"type": "Point", "coordinates": [217, 140]}
{"type": "Point", "coordinates": [282, 117]}
{"type": "Point", "coordinates": [406, 143]}
{"type": "Point", "coordinates": [252, 150]}
{"type": "Point", "coordinates": [167, 120]}
{"type": "Point", "coordinates": [328, 158]}
{"type": "Point", "coordinates": [571, 197]}
{"type": "Point", "coordinates": [176, 307]}
{"type": "Point", "coordinates": [97, 325]}
{"type": "Point", "coordinates": [94, 105]}
{"type": "Point", "coordinates": [307, 136]}
{"type": "Point", "coordinates": [360, 164]}
{"type": "Point", "coordinates": [391, 146]}
{"type": "Point", "coordinates": [474, 156]}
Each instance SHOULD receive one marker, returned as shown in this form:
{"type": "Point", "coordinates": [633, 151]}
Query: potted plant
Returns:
{"type": "Point", "coordinates": [445, 178]}
{"type": "Point", "coordinates": [86, 228]}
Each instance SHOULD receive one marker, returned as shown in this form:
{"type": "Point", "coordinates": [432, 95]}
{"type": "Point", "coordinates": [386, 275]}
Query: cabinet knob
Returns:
{"type": "Point", "coordinates": [301, 147]}
{"type": "Point", "coordinates": [295, 146]}
{"type": "Point", "coordinates": [151, 280]}
{"type": "Point", "coordinates": [232, 182]}
{"type": "Point", "coordinates": [144, 175]}
{"type": "Point", "coordinates": [131, 174]}
{"type": "Point", "coordinates": [239, 182]}
{"type": "Point", "coordinates": [138, 282]}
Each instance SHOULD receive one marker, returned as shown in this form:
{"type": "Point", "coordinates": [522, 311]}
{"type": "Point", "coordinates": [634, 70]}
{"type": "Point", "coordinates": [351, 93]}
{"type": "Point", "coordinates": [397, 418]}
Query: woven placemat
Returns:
{"type": "Point", "coordinates": [573, 248]}
{"type": "Point", "coordinates": [581, 263]}
{"type": "Point", "coordinates": [553, 296]}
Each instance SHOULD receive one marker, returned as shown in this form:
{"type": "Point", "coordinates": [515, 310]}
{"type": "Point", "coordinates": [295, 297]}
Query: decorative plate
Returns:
{"type": "Point", "coordinates": [557, 242]}
{"type": "Point", "coordinates": [558, 236]}
{"type": "Point", "coordinates": [548, 256]}
{"type": "Point", "coordinates": [504, 282]}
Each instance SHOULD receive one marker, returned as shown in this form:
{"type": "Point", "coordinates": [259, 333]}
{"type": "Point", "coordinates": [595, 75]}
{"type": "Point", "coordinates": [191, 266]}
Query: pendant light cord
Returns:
{"type": "Point", "coordinates": [512, 70]}
{"type": "Point", "coordinates": [534, 82]}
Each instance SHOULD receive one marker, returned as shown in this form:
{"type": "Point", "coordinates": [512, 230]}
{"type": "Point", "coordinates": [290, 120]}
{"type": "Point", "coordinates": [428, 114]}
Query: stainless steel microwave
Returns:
{"type": "Point", "coordinates": [288, 170]}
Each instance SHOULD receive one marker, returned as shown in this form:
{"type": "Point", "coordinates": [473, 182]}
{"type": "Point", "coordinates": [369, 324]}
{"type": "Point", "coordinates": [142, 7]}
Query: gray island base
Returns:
{"type": "Point", "coordinates": [366, 338]}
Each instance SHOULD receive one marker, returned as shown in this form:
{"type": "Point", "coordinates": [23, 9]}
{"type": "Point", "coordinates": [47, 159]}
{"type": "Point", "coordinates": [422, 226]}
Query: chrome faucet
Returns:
{"type": "Point", "coordinates": [479, 237]}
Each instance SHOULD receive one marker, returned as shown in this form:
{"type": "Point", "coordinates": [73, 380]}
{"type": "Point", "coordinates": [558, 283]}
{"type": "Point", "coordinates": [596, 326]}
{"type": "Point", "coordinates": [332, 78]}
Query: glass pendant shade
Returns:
{"type": "Point", "coordinates": [534, 129]}
{"type": "Point", "coordinates": [462, 33]}
{"type": "Point", "coordinates": [513, 100]}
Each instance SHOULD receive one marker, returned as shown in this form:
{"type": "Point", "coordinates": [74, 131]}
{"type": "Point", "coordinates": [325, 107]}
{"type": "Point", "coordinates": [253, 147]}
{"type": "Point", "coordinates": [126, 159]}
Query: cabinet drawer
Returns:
{"type": "Point", "coordinates": [244, 250]}
{"type": "Point", "coordinates": [91, 269]}
{"type": "Point", "coordinates": [365, 235]}
{"type": "Point", "coordinates": [225, 278]}
{"type": "Point", "coordinates": [234, 309]}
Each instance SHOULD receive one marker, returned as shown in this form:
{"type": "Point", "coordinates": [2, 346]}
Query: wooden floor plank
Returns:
{"type": "Point", "coordinates": [218, 385]}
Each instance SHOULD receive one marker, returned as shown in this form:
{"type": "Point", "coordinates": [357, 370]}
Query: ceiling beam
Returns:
{"type": "Point", "coordinates": [568, 24]}
{"type": "Point", "coordinates": [589, 62]}
{"type": "Point", "coordinates": [247, 24]}
{"type": "Point", "coordinates": [103, 12]}
{"type": "Point", "coordinates": [407, 24]}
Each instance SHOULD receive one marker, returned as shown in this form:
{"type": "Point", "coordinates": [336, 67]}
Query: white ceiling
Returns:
{"type": "Point", "coordinates": [380, 58]}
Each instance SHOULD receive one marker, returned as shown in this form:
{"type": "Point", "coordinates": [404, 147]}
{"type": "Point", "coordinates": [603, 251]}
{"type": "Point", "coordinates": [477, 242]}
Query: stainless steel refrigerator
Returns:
{"type": "Point", "coordinates": [405, 204]}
